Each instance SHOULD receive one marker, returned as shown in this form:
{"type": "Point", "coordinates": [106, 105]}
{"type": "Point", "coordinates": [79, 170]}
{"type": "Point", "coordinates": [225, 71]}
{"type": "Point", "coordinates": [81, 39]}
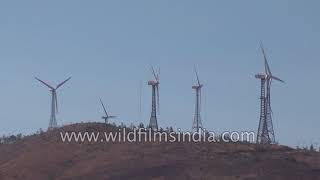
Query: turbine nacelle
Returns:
{"type": "Point", "coordinates": [153, 83]}
{"type": "Point", "coordinates": [267, 77]}
{"type": "Point", "coordinates": [261, 76]}
{"type": "Point", "coordinates": [197, 86]}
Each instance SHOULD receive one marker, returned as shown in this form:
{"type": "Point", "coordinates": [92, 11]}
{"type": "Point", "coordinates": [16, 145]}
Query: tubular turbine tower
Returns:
{"type": "Point", "coordinates": [265, 133]}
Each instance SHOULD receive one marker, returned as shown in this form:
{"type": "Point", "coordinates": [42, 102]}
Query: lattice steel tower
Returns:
{"type": "Point", "coordinates": [265, 133]}
{"type": "Point", "coordinates": [155, 100]}
{"type": "Point", "coordinates": [197, 124]}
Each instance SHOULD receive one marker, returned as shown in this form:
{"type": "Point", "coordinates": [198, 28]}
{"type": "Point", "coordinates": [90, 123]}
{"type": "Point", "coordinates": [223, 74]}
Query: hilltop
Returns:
{"type": "Point", "coordinates": [44, 156]}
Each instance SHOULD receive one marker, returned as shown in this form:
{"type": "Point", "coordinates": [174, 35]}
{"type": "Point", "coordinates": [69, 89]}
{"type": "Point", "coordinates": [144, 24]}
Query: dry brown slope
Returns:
{"type": "Point", "coordinates": [45, 157]}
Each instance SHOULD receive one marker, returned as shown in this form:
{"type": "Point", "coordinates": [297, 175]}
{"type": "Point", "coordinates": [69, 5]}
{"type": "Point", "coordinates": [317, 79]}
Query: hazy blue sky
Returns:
{"type": "Point", "coordinates": [108, 46]}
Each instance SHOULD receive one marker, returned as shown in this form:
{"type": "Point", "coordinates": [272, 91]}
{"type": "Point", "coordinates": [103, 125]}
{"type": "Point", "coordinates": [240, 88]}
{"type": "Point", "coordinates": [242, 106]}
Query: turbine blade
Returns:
{"type": "Point", "coordinates": [105, 111]}
{"type": "Point", "coordinates": [59, 85]}
{"type": "Point", "coordinates": [154, 73]}
{"type": "Point", "coordinates": [112, 116]}
{"type": "Point", "coordinates": [266, 65]}
{"type": "Point", "coordinates": [44, 83]}
{"type": "Point", "coordinates": [269, 98]}
{"type": "Point", "coordinates": [56, 101]}
{"type": "Point", "coordinates": [269, 92]}
{"type": "Point", "coordinates": [195, 70]}
{"type": "Point", "coordinates": [200, 100]}
{"type": "Point", "coordinates": [158, 98]}
{"type": "Point", "coordinates": [158, 75]}
{"type": "Point", "coordinates": [276, 78]}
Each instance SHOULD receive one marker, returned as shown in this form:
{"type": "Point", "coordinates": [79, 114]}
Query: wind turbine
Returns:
{"type": "Point", "coordinates": [197, 124]}
{"type": "Point", "coordinates": [106, 117]}
{"type": "Point", "coordinates": [265, 130]}
{"type": "Point", "coordinates": [54, 101]}
{"type": "Point", "coordinates": [155, 99]}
